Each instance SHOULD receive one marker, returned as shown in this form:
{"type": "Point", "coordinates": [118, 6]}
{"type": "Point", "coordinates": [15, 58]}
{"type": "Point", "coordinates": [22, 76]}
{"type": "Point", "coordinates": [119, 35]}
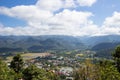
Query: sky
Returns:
{"type": "Point", "coordinates": [60, 17]}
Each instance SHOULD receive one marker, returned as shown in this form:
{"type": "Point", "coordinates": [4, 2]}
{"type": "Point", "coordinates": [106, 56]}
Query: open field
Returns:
{"type": "Point", "coordinates": [27, 56]}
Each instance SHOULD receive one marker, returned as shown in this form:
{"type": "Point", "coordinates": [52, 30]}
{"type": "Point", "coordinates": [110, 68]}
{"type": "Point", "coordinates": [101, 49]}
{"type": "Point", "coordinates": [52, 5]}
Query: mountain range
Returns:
{"type": "Point", "coordinates": [55, 42]}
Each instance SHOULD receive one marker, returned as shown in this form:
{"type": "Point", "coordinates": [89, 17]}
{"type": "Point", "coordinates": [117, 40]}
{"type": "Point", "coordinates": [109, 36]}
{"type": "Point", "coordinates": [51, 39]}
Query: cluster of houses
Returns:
{"type": "Point", "coordinates": [59, 65]}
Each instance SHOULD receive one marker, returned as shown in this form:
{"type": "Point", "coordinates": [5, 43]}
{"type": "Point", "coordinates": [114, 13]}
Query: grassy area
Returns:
{"type": "Point", "coordinates": [27, 56]}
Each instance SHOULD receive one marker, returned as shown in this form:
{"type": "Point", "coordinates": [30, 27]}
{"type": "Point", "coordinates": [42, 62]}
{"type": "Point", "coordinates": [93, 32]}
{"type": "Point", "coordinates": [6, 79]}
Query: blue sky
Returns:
{"type": "Point", "coordinates": [12, 3]}
{"type": "Point", "coordinates": [8, 21]}
{"type": "Point", "coordinates": [59, 17]}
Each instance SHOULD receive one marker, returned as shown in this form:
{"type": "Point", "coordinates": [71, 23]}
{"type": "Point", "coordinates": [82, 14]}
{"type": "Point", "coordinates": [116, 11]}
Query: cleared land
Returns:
{"type": "Point", "coordinates": [27, 56]}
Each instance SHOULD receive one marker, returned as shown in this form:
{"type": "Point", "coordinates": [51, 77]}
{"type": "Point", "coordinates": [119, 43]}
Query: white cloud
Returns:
{"type": "Point", "coordinates": [51, 5]}
{"type": "Point", "coordinates": [86, 2]}
{"type": "Point", "coordinates": [69, 4]}
{"type": "Point", "coordinates": [54, 5]}
{"type": "Point", "coordinates": [26, 12]}
{"type": "Point", "coordinates": [73, 18]}
{"type": "Point", "coordinates": [41, 19]}
{"type": "Point", "coordinates": [113, 21]}
{"type": "Point", "coordinates": [71, 22]}
{"type": "Point", "coordinates": [111, 24]}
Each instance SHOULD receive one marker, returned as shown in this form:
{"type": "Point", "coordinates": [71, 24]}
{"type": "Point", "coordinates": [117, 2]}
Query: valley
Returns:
{"type": "Point", "coordinates": [61, 55]}
{"type": "Point", "coordinates": [103, 46]}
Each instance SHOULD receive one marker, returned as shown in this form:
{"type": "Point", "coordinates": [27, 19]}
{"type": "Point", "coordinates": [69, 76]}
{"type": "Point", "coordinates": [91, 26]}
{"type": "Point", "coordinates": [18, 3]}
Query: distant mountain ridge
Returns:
{"type": "Point", "coordinates": [38, 43]}
{"type": "Point", "coordinates": [92, 41]}
{"type": "Point", "coordinates": [55, 42]}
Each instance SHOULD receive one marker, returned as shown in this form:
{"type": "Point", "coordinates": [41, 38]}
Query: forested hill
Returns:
{"type": "Point", "coordinates": [95, 40]}
{"type": "Point", "coordinates": [38, 43]}
{"type": "Point", "coordinates": [45, 43]}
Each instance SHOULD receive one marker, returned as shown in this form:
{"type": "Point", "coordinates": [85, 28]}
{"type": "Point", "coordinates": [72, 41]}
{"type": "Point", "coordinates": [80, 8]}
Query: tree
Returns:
{"type": "Point", "coordinates": [34, 73]}
{"type": "Point", "coordinates": [52, 76]}
{"type": "Point", "coordinates": [116, 56]}
{"type": "Point", "coordinates": [108, 71]}
{"type": "Point", "coordinates": [5, 72]}
{"type": "Point", "coordinates": [17, 63]}
{"type": "Point", "coordinates": [103, 71]}
{"type": "Point", "coordinates": [87, 71]}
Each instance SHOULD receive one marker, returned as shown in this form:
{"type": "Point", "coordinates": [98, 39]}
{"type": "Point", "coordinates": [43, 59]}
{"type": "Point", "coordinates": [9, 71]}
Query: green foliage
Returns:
{"type": "Point", "coordinates": [87, 71]}
{"type": "Point", "coordinates": [108, 71]}
{"type": "Point", "coordinates": [34, 73]}
{"type": "Point", "coordinates": [5, 72]}
{"type": "Point", "coordinates": [116, 56]}
{"type": "Point", "coordinates": [117, 52]}
{"type": "Point", "coordinates": [16, 71]}
{"type": "Point", "coordinates": [52, 76]}
{"type": "Point", "coordinates": [103, 71]}
{"type": "Point", "coordinates": [17, 63]}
